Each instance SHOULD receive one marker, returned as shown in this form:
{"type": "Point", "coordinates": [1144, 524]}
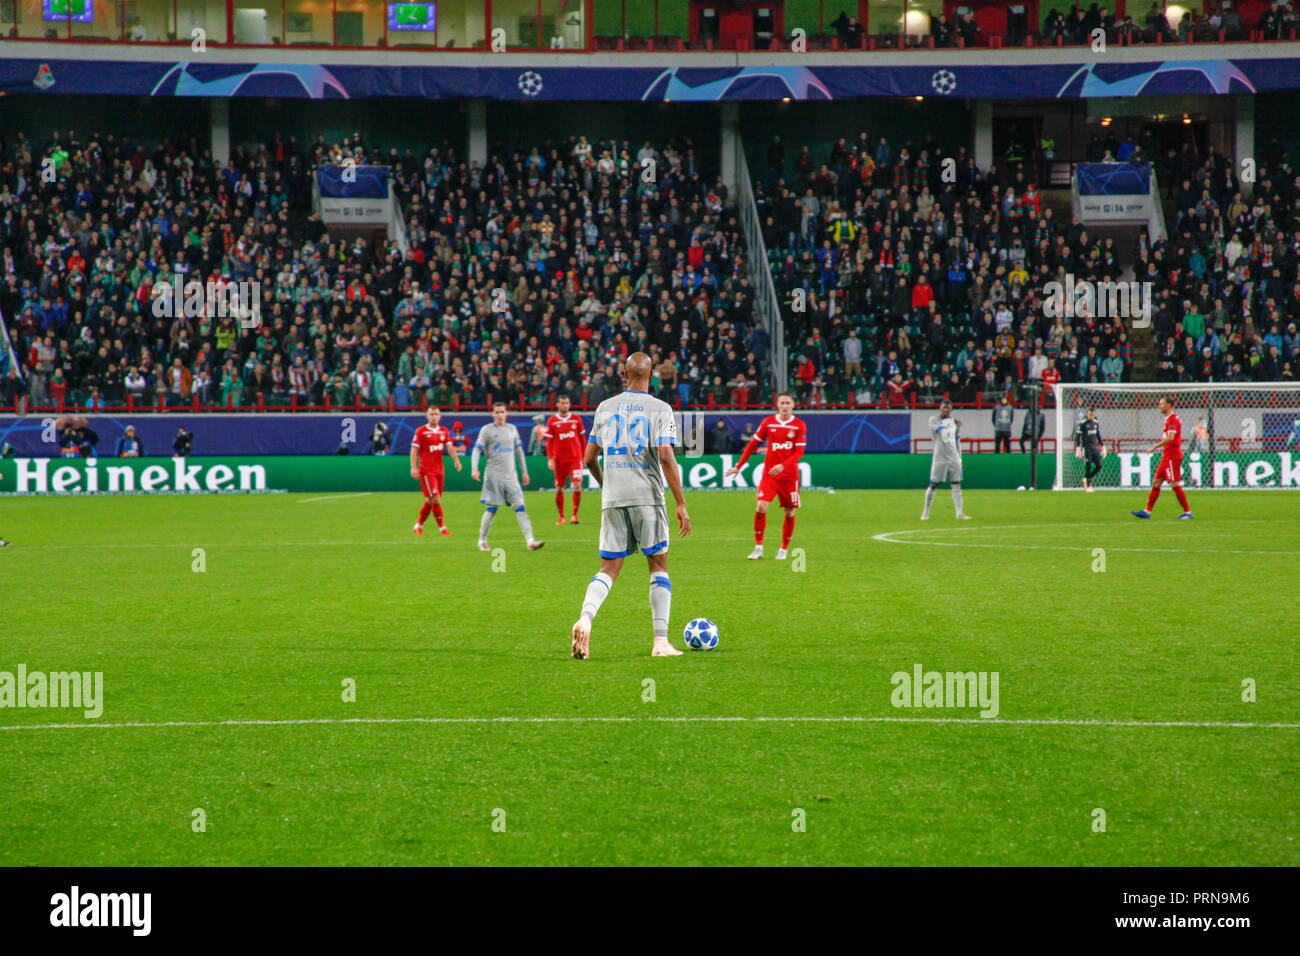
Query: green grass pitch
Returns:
{"type": "Point", "coordinates": [299, 595]}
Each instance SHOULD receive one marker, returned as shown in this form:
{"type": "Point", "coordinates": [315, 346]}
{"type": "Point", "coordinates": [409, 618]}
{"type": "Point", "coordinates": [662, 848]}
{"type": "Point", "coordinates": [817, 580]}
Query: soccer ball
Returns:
{"type": "Point", "coordinates": [701, 635]}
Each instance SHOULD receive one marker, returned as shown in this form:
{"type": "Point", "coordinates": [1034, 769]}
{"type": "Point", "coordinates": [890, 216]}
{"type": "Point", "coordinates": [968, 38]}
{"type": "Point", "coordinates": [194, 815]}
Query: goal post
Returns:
{"type": "Point", "coordinates": [1235, 435]}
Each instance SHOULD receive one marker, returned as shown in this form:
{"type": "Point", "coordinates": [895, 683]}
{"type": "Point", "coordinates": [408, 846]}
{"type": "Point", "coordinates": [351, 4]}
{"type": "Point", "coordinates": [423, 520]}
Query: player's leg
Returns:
{"type": "Point", "coordinates": [1176, 479]}
{"type": "Point", "coordinates": [956, 499]}
{"type": "Point", "coordinates": [615, 544]}
{"type": "Point", "coordinates": [929, 497]}
{"type": "Point", "coordinates": [490, 498]}
{"type": "Point", "coordinates": [1091, 469]}
{"type": "Point", "coordinates": [426, 487]}
{"type": "Point", "coordinates": [576, 479]}
{"type": "Point", "coordinates": [765, 495]}
{"type": "Point", "coordinates": [559, 494]}
{"type": "Point", "coordinates": [484, 524]}
{"type": "Point", "coordinates": [436, 501]}
{"type": "Point", "coordinates": [789, 504]}
{"type": "Point", "coordinates": [1153, 495]}
{"type": "Point", "coordinates": [515, 497]}
{"type": "Point", "coordinates": [652, 526]}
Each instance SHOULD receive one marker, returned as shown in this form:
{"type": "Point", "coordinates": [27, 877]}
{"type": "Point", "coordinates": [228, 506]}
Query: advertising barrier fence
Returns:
{"type": "Point", "coordinates": [348, 473]}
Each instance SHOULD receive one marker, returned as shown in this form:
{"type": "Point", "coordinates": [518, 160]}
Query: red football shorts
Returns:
{"type": "Point", "coordinates": [431, 483]}
{"type": "Point", "coordinates": [785, 491]}
{"type": "Point", "coordinates": [567, 470]}
{"type": "Point", "coordinates": [1170, 470]}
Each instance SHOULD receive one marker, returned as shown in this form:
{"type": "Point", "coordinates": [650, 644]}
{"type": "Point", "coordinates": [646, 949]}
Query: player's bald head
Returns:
{"type": "Point", "coordinates": [637, 369]}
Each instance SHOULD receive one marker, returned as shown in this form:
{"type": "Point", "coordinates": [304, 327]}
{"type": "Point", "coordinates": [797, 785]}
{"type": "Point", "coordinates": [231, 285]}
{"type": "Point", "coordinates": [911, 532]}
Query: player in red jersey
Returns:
{"type": "Point", "coordinates": [430, 443]}
{"type": "Point", "coordinates": [1170, 468]}
{"type": "Point", "coordinates": [786, 437]}
{"type": "Point", "coordinates": [566, 442]}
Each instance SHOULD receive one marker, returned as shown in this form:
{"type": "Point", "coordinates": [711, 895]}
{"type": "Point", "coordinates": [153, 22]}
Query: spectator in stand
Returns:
{"type": "Point", "coordinates": [718, 440]}
{"type": "Point", "coordinates": [853, 354]}
{"type": "Point", "coordinates": [129, 445]}
{"type": "Point", "coordinates": [1027, 429]}
{"type": "Point", "coordinates": [1003, 418]}
{"type": "Point", "coordinates": [644, 254]}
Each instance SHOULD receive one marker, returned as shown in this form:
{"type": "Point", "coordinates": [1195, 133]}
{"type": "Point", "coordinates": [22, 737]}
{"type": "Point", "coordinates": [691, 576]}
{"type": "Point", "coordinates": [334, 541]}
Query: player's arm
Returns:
{"type": "Point", "coordinates": [749, 450]}
{"type": "Point", "coordinates": [455, 455]}
{"type": "Point", "coordinates": [415, 456]}
{"type": "Point", "coordinates": [549, 440]}
{"type": "Point", "coordinates": [668, 461]}
{"type": "Point", "coordinates": [475, 456]}
{"type": "Point", "coordinates": [519, 457]}
{"type": "Point", "coordinates": [1168, 437]}
{"type": "Point", "coordinates": [591, 461]}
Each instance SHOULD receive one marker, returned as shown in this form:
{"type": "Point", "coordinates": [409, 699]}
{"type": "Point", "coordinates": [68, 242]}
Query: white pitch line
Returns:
{"type": "Point", "coordinates": [1028, 721]}
{"type": "Point", "coordinates": [889, 537]}
{"type": "Point", "coordinates": [358, 494]}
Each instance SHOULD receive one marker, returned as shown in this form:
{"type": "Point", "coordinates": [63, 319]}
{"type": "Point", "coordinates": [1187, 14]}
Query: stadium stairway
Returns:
{"type": "Point", "coordinates": [1141, 339]}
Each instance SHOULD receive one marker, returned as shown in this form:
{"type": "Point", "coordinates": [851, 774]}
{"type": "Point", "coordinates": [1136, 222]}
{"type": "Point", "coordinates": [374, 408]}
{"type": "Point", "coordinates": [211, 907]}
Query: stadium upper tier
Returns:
{"type": "Point", "coordinates": [645, 25]}
{"type": "Point", "coordinates": [524, 278]}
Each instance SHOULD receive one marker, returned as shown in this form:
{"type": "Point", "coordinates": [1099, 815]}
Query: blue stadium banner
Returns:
{"type": "Point", "coordinates": [1113, 179]}
{"type": "Point", "coordinates": [352, 182]}
{"type": "Point", "coordinates": [323, 434]}
{"type": "Point", "coordinates": [1050, 79]}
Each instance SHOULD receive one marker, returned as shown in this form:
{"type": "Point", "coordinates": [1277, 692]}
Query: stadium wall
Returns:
{"type": "Point", "coordinates": [347, 474]}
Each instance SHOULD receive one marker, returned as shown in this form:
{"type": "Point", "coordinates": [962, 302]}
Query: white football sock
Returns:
{"type": "Point", "coordinates": [661, 601]}
{"type": "Point", "coordinates": [597, 591]}
{"type": "Point", "coordinates": [485, 523]}
{"type": "Point", "coordinates": [929, 498]}
{"type": "Point", "coordinates": [522, 517]}
{"type": "Point", "coordinates": [956, 497]}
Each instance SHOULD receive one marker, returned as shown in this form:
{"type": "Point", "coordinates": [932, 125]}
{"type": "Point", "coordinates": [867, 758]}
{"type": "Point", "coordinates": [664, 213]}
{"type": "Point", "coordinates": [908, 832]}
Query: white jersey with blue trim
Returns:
{"type": "Point", "coordinates": [947, 450]}
{"type": "Point", "coordinates": [630, 428]}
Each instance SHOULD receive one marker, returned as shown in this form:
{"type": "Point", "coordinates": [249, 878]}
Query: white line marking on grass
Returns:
{"type": "Point", "coordinates": [358, 494]}
{"type": "Point", "coordinates": [892, 537]}
{"type": "Point", "coordinates": [1024, 722]}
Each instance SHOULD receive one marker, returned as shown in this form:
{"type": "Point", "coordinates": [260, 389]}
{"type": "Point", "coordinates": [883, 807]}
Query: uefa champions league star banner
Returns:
{"type": "Point", "coordinates": [537, 79]}
{"type": "Point", "coordinates": [347, 474]}
{"type": "Point", "coordinates": [323, 434]}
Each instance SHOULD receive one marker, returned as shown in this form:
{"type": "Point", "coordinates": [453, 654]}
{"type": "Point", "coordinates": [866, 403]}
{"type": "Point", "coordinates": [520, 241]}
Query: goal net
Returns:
{"type": "Point", "coordinates": [1234, 435]}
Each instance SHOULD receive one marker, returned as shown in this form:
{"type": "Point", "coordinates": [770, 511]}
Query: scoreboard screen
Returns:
{"type": "Point", "coordinates": [412, 16]}
{"type": "Point", "coordinates": [78, 11]}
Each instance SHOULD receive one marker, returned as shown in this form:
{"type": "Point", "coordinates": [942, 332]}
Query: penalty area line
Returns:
{"type": "Point", "coordinates": [327, 721]}
{"type": "Point", "coordinates": [358, 494]}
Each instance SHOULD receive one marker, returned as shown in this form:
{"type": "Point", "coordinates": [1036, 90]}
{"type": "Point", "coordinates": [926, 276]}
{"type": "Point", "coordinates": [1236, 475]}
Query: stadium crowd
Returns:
{"type": "Point", "coordinates": [524, 278]}
{"type": "Point", "coordinates": [897, 286]}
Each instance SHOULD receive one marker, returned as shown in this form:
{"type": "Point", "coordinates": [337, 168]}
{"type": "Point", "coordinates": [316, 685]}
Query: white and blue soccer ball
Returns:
{"type": "Point", "coordinates": [701, 635]}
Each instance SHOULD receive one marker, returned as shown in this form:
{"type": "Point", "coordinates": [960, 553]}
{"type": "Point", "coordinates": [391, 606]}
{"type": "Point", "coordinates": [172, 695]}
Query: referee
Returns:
{"type": "Point", "coordinates": [1087, 436]}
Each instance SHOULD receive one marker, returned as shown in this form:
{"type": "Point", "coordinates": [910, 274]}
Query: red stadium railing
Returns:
{"type": "Point", "coordinates": [21, 406]}
{"type": "Point", "coordinates": [980, 446]}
